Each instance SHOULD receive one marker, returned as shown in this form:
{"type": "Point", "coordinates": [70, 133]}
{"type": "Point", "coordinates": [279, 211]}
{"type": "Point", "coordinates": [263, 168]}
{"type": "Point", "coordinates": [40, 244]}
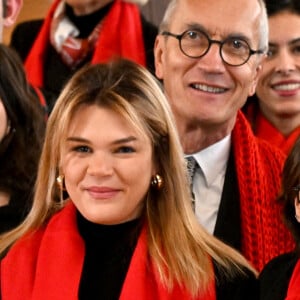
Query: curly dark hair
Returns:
{"type": "Point", "coordinates": [20, 149]}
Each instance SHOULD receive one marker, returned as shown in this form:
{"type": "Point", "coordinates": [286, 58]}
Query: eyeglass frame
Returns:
{"type": "Point", "coordinates": [210, 42]}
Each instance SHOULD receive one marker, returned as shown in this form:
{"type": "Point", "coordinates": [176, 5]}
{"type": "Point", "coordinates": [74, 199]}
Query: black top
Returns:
{"type": "Point", "coordinates": [239, 287]}
{"type": "Point", "coordinates": [275, 277]}
{"type": "Point", "coordinates": [14, 213]}
{"type": "Point", "coordinates": [56, 72]}
{"type": "Point", "coordinates": [109, 249]}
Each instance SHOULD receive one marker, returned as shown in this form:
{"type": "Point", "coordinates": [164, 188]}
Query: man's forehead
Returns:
{"type": "Point", "coordinates": [217, 17]}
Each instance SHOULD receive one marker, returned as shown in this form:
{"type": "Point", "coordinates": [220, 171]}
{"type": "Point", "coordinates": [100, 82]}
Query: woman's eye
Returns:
{"type": "Point", "coordinates": [296, 49]}
{"type": "Point", "coordinates": [271, 52]}
{"type": "Point", "coordinates": [82, 149]}
{"type": "Point", "coordinates": [125, 149]}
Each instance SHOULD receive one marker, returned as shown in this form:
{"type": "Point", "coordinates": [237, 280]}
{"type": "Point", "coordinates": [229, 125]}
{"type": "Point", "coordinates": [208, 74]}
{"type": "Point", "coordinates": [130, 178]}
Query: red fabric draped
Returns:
{"type": "Point", "coordinates": [120, 36]}
{"type": "Point", "coordinates": [266, 131]}
{"type": "Point", "coordinates": [47, 265]}
{"type": "Point", "coordinates": [259, 167]}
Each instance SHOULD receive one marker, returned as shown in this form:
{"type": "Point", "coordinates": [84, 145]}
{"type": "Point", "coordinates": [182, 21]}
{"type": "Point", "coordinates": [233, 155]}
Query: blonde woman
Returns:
{"type": "Point", "coordinates": [112, 215]}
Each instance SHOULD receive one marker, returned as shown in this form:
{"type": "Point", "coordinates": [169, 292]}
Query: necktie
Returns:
{"type": "Point", "coordinates": [191, 168]}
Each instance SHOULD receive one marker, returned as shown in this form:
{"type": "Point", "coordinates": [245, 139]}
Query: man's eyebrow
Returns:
{"type": "Point", "coordinates": [237, 35]}
{"type": "Point", "coordinates": [196, 26]}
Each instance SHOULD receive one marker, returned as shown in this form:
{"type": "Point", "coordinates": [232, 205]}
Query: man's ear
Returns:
{"type": "Point", "coordinates": [158, 56]}
{"type": "Point", "coordinates": [11, 11]}
{"type": "Point", "coordinates": [255, 80]}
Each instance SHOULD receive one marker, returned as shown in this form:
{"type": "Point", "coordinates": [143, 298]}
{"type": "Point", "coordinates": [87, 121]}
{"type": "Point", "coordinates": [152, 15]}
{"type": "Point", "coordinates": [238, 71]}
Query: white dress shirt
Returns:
{"type": "Point", "coordinates": [208, 181]}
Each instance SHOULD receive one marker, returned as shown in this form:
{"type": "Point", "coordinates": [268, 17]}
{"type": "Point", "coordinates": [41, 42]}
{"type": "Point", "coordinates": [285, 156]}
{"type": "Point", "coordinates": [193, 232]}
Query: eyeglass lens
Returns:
{"type": "Point", "coordinates": [233, 51]}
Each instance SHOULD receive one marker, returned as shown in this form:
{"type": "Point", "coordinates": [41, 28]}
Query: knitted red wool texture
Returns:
{"type": "Point", "coordinates": [259, 167]}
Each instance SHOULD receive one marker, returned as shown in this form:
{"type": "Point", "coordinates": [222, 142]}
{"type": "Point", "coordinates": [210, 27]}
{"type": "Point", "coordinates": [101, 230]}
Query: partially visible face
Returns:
{"type": "Point", "coordinates": [205, 91]}
{"type": "Point", "coordinates": [107, 166]}
{"type": "Point", "coordinates": [3, 122]}
{"type": "Point", "coordinates": [84, 7]}
{"type": "Point", "coordinates": [278, 87]}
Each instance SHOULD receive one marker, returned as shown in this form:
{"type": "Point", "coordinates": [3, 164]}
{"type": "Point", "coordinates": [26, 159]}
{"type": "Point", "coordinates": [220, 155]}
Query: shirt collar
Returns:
{"type": "Point", "coordinates": [213, 159]}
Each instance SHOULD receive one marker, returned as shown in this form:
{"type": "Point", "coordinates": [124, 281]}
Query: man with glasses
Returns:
{"type": "Point", "coordinates": [208, 55]}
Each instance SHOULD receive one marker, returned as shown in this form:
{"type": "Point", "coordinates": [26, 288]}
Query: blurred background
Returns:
{"type": "Point", "coordinates": [36, 9]}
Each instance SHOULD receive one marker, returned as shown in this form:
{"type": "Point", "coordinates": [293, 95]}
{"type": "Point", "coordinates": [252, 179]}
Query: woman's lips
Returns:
{"type": "Point", "coordinates": [102, 192]}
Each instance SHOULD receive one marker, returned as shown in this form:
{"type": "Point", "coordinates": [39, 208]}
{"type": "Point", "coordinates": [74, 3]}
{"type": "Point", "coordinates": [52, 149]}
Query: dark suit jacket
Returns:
{"type": "Point", "coordinates": [275, 277]}
{"type": "Point", "coordinates": [228, 225]}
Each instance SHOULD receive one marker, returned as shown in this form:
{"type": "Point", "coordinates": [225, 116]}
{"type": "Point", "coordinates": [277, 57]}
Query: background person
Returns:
{"type": "Point", "coordinates": [22, 127]}
{"type": "Point", "coordinates": [78, 32]}
{"type": "Point", "coordinates": [112, 145]}
{"type": "Point", "coordinates": [279, 279]}
{"type": "Point", "coordinates": [208, 71]}
{"type": "Point", "coordinates": [274, 111]}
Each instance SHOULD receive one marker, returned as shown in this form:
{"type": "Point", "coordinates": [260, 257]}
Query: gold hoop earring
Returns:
{"type": "Point", "coordinates": [157, 182]}
{"type": "Point", "coordinates": [61, 182]}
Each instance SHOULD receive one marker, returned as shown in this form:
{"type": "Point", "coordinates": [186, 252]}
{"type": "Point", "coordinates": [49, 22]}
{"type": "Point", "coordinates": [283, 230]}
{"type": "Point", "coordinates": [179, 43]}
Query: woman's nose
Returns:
{"type": "Point", "coordinates": [100, 164]}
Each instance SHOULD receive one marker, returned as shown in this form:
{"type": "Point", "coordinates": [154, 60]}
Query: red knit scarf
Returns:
{"type": "Point", "coordinates": [266, 131]}
{"type": "Point", "coordinates": [120, 36]}
{"type": "Point", "coordinates": [293, 292]}
{"type": "Point", "coordinates": [47, 265]}
{"type": "Point", "coordinates": [259, 167]}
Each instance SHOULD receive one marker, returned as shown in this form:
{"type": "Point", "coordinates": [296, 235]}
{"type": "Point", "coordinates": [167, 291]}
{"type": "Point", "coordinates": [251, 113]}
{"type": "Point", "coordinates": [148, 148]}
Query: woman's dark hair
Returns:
{"type": "Point", "coordinates": [291, 179]}
{"type": "Point", "coordinates": [277, 6]}
{"type": "Point", "coordinates": [20, 148]}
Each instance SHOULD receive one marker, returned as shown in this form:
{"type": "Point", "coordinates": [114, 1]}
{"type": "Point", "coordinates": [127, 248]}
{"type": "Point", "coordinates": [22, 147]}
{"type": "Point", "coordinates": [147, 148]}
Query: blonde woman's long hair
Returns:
{"type": "Point", "coordinates": [179, 247]}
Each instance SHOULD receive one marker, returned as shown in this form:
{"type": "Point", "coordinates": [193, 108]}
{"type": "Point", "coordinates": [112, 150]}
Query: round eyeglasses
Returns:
{"type": "Point", "coordinates": [234, 51]}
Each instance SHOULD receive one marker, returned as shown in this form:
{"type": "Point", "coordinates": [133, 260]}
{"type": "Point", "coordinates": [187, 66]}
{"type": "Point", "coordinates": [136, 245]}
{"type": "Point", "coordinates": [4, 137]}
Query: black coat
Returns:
{"type": "Point", "coordinates": [275, 277]}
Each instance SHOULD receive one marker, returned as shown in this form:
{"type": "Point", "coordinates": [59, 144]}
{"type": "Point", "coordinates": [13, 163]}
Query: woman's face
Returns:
{"type": "Point", "coordinates": [107, 166]}
{"type": "Point", "coordinates": [278, 88]}
{"type": "Point", "coordinates": [3, 121]}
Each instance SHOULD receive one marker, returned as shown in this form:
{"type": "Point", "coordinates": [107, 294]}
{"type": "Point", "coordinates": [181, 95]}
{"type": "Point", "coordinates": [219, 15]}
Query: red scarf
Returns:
{"type": "Point", "coordinates": [121, 36]}
{"type": "Point", "coordinates": [293, 292]}
{"type": "Point", "coordinates": [266, 131]}
{"type": "Point", "coordinates": [259, 167]}
{"type": "Point", "coordinates": [47, 265]}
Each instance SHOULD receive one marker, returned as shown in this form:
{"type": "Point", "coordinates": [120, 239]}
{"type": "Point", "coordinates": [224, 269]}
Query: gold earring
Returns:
{"type": "Point", "coordinates": [60, 182]}
{"type": "Point", "coordinates": [157, 182]}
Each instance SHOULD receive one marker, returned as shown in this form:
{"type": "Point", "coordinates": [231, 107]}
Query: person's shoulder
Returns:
{"type": "Point", "coordinates": [275, 276]}
{"type": "Point", "coordinates": [239, 284]}
{"type": "Point", "coordinates": [286, 261]}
